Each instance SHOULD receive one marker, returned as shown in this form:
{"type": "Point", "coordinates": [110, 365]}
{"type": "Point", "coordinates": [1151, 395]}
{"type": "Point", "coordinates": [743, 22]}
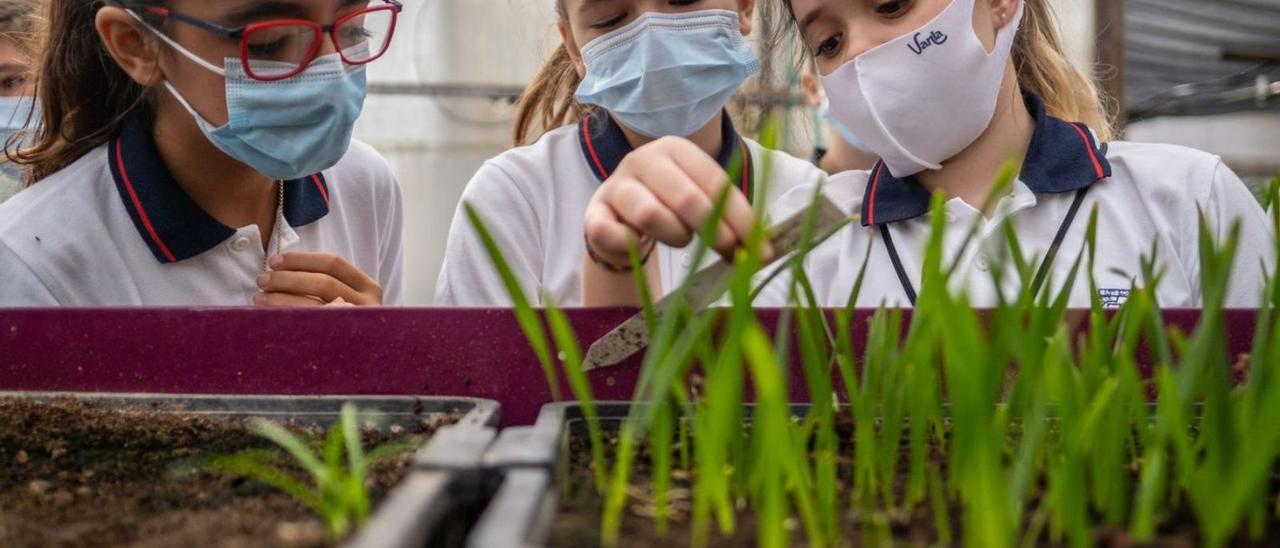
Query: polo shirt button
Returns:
{"type": "Point", "coordinates": [240, 244]}
{"type": "Point", "coordinates": [982, 263]}
{"type": "Point", "coordinates": [687, 260]}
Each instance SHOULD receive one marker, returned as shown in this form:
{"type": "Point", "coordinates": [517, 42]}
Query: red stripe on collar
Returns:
{"type": "Point", "coordinates": [871, 203]}
{"type": "Point", "coordinates": [320, 185]}
{"type": "Point", "coordinates": [1093, 155]}
{"type": "Point", "coordinates": [591, 148]}
{"type": "Point", "coordinates": [137, 204]}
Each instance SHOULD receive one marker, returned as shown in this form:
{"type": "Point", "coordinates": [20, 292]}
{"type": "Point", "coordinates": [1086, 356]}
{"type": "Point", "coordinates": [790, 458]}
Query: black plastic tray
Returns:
{"type": "Point", "coordinates": [527, 460]}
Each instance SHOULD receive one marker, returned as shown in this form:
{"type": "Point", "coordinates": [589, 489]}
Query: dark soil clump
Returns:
{"type": "Point", "coordinates": [76, 474]}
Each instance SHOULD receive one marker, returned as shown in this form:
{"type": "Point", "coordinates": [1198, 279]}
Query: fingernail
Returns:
{"type": "Point", "coordinates": [260, 299]}
{"type": "Point", "coordinates": [276, 261]}
{"type": "Point", "coordinates": [263, 279]}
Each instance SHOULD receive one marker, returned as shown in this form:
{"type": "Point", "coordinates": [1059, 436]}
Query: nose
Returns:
{"type": "Point", "coordinates": [859, 39]}
{"type": "Point", "coordinates": [327, 46]}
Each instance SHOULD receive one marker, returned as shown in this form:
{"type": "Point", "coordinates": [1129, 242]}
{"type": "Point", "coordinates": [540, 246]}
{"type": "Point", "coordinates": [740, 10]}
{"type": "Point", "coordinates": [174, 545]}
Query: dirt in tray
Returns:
{"type": "Point", "coordinates": [577, 522]}
{"type": "Point", "coordinates": [76, 474]}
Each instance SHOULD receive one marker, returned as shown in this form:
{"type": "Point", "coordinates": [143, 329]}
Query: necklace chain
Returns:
{"type": "Point", "coordinates": [276, 229]}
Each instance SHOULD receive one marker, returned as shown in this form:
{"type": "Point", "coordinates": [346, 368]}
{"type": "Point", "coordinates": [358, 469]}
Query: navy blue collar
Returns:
{"type": "Point", "coordinates": [171, 224]}
{"type": "Point", "coordinates": [1063, 157]}
{"type": "Point", "coordinates": [604, 146]}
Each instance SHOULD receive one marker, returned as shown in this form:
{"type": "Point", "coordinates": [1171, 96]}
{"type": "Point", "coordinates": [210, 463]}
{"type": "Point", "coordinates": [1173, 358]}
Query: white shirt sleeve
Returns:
{"type": "Point", "coordinates": [391, 254]}
{"type": "Point", "coordinates": [468, 276]}
{"type": "Point", "coordinates": [21, 286]}
{"type": "Point", "coordinates": [1229, 202]}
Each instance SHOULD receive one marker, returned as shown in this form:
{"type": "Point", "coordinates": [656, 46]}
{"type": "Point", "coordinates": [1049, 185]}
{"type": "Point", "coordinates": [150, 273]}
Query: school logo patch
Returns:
{"type": "Point", "coordinates": [1113, 298]}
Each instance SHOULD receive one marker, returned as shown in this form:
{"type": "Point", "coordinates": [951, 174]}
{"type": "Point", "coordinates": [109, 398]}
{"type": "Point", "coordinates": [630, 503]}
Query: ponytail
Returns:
{"type": "Point", "coordinates": [84, 95]}
{"type": "Point", "coordinates": [1044, 69]}
{"type": "Point", "coordinates": [549, 102]}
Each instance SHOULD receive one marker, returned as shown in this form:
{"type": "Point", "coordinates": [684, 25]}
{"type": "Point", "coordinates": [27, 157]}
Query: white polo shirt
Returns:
{"type": "Point", "coordinates": [1144, 194]}
{"type": "Point", "coordinates": [114, 229]}
{"type": "Point", "coordinates": [533, 199]}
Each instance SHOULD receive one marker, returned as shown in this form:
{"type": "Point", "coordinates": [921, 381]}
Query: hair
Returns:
{"type": "Point", "coordinates": [548, 102]}
{"type": "Point", "coordinates": [84, 95]}
{"type": "Point", "coordinates": [18, 26]}
{"type": "Point", "coordinates": [1044, 69]}
{"type": "Point", "coordinates": [1041, 63]}
{"type": "Point", "coordinates": [17, 22]}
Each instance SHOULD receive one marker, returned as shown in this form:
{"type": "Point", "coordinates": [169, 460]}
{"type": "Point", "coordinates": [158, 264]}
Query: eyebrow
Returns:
{"type": "Point", "coordinates": [255, 11]}
{"type": "Point", "coordinates": [588, 4]}
{"type": "Point", "coordinates": [261, 10]}
{"type": "Point", "coordinates": [810, 18]}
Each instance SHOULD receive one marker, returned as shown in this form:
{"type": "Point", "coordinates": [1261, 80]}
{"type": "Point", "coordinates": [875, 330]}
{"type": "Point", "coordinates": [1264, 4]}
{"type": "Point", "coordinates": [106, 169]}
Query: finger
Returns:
{"type": "Point", "coordinates": [327, 263]}
{"type": "Point", "coordinates": [607, 235]}
{"type": "Point", "coordinates": [284, 300]}
{"type": "Point", "coordinates": [635, 205]}
{"type": "Point", "coordinates": [679, 193]}
{"type": "Point", "coordinates": [712, 179]}
{"type": "Point", "coordinates": [322, 286]}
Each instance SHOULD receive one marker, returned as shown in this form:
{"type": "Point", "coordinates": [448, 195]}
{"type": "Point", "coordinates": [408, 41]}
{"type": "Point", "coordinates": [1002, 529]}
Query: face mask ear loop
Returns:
{"type": "Point", "coordinates": [178, 47]}
{"type": "Point", "coordinates": [183, 101]}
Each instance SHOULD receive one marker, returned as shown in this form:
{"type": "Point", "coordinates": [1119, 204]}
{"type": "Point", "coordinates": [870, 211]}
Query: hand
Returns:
{"type": "Point", "coordinates": [664, 191]}
{"type": "Point", "coordinates": [315, 279]}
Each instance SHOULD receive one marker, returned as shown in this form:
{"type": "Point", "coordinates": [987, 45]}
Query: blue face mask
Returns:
{"type": "Point", "coordinates": [286, 129]}
{"type": "Point", "coordinates": [14, 114]}
{"type": "Point", "coordinates": [667, 73]}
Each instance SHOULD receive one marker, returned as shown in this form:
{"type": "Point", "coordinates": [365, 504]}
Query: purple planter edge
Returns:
{"type": "Point", "coordinates": [478, 353]}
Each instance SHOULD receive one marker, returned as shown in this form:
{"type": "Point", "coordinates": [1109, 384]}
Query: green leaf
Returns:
{"type": "Point", "coordinates": [527, 317]}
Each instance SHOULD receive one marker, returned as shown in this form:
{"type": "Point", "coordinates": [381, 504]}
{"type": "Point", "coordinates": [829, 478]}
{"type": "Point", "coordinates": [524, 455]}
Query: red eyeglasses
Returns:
{"type": "Point", "coordinates": [282, 48]}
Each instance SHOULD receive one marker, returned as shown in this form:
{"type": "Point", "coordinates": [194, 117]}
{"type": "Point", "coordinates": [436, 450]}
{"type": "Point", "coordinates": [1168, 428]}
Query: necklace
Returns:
{"type": "Point", "coordinates": [266, 255]}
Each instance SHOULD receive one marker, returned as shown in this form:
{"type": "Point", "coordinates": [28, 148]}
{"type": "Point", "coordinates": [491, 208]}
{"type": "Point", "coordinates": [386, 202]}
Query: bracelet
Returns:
{"type": "Point", "coordinates": [613, 267]}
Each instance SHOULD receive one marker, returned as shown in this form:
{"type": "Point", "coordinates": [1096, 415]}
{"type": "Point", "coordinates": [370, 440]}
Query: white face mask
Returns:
{"type": "Point", "coordinates": [924, 97]}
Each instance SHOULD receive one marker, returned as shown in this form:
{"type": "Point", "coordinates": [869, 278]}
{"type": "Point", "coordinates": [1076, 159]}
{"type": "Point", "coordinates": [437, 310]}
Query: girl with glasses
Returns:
{"type": "Point", "coordinates": [200, 153]}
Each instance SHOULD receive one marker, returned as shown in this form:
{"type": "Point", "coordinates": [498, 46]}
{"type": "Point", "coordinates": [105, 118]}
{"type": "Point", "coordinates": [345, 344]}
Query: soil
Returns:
{"type": "Point", "coordinates": [577, 522]}
{"type": "Point", "coordinates": [74, 474]}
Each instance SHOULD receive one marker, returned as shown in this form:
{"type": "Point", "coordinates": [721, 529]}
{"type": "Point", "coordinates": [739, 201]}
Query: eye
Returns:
{"type": "Point", "coordinates": [267, 49]}
{"type": "Point", "coordinates": [13, 82]}
{"type": "Point", "coordinates": [610, 22]}
{"type": "Point", "coordinates": [892, 9]}
{"type": "Point", "coordinates": [829, 47]}
{"type": "Point", "coordinates": [352, 34]}
{"type": "Point", "coordinates": [684, 2]}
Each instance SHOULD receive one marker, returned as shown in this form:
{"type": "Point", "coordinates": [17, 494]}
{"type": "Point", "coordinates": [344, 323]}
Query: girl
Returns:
{"type": "Point", "coordinates": [199, 153]}
{"type": "Point", "coordinates": [16, 104]}
{"type": "Point", "coordinates": [945, 92]}
{"type": "Point", "coordinates": [643, 84]}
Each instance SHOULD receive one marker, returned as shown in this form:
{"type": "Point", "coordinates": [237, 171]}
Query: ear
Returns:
{"type": "Point", "coordinates": [135, 52]}
{"type": "Point", "coordinates": [809, 83]}
{"type": "Point", "coordinates": [571, 46]}
{"type": "Point", "coordinates": [1002, 12]}
{"type": "Point", "coordinates": [746, 15]}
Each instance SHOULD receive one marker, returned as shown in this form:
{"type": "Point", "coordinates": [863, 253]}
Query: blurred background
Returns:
{"type": "Point", "coordinates": [1200, 73]}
